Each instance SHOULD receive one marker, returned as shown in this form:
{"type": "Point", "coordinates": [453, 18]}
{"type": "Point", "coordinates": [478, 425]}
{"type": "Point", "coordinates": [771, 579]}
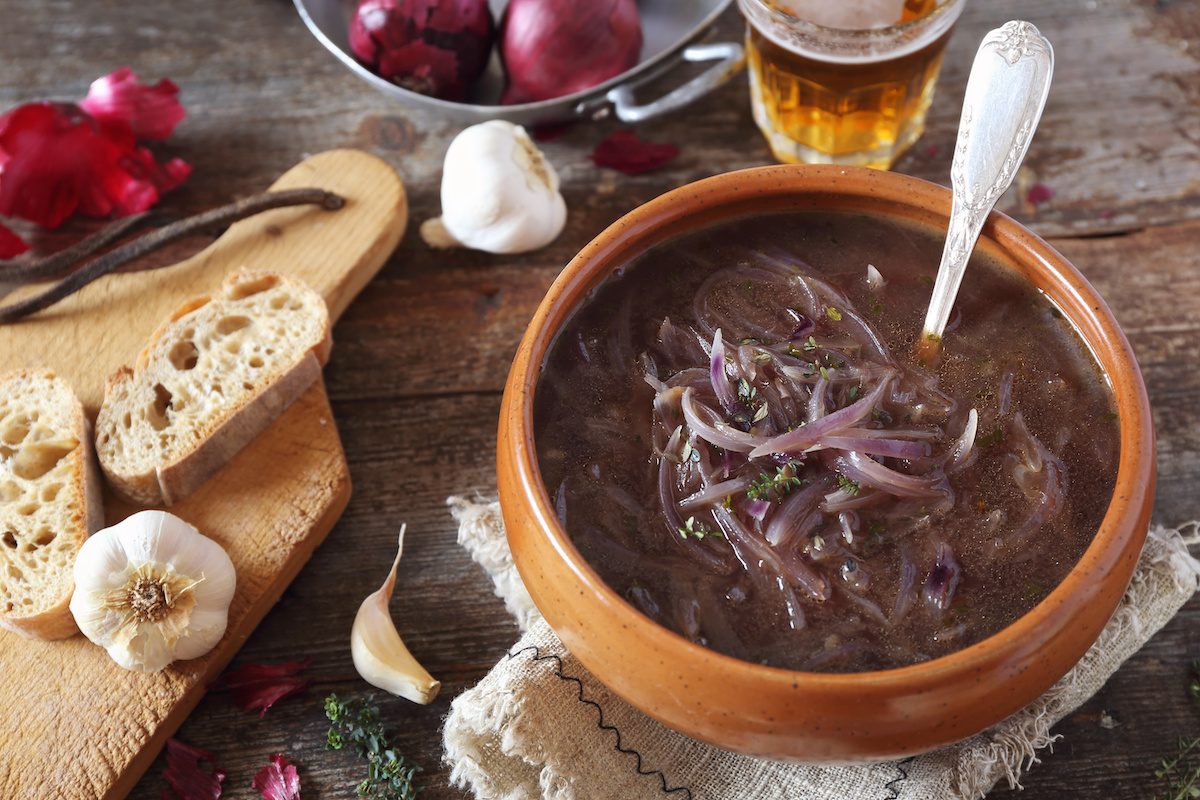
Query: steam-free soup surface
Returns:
{"type": "Point", "coordinates": [736, 435]}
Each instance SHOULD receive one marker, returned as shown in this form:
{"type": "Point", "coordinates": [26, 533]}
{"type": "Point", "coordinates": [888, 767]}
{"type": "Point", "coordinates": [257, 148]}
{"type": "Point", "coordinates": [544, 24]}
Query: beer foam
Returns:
{"type": "Point", "coordinates": [847, 14]}
{"type": "Point", "coordinates": [847, 45]}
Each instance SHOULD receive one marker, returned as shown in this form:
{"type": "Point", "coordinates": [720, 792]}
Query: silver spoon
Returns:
{"type": "Point", "coordinates": [1006, 92]}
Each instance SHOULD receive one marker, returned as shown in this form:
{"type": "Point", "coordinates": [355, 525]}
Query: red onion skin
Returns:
{"type": "Point", "coordinates": [426, 46]}
{"type": "Point", "coordinates": [552, 48]}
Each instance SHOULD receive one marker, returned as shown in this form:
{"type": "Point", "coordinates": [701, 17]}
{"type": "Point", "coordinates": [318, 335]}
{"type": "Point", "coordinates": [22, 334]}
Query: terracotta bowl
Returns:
{"type": "Point", "coordinates": [814, 717]}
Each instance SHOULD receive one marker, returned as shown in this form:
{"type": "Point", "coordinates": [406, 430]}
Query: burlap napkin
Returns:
{"type": "Point", "coordinates": [540, 726]}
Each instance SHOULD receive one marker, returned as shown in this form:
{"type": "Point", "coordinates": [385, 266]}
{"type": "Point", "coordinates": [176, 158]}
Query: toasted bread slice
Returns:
{"type": "Point", "coordinates": [50, 501]}
{"type": "Point", "coordinates": [214, 376]}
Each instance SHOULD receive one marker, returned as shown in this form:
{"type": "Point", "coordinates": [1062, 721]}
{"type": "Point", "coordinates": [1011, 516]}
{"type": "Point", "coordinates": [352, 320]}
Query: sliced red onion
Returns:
{"type": "Point", "coordinates": [866, 334]}
{"type": "Point", "coordinates": [764, 324]}
{"type": "Point", "coordinates": [758, 508]}
{"type": "Point", "coordinates": [705, 423]}
{"type": "Point", "coordinates": [816, 400]}
{"type": "Point", "coordinates": [666, 501]}
{"type": "Point", "coordinates": [1005, 394]}
{"type": "Point", "coordinates": [831, 654]}
{"type": "Point", "coordinates": [764, 568]}
{"type": "Point", "coordinates": [869, 472]}
{"type": "Point", "coordinates": [715, 493]}
{"type": "Point", "coordinates": [906, 594]}
{"type": "Point", "coordinates": [875, 279]}
{"type": "Point", "coordinates": [808, 435]}
{"type": "Point", "coordinates": [1049, 504]}
{"type": "Point", "coordinates": [963, 449]}
{"type": "Point", "coordinates": [848, 521]}
{"type": "Point", "coordinates": [843, 500]}
{"type": "Point", "coordinates": [918, 434]}
{"type": "Point", "coordinates": [943, 578]}
{"type": "Point", "coordinates": [787, 564]}
{"type": "Point", "coordinates": [868, 607]}
{"type": "Point", "coordinates": [716, 373]}
{"type": "Point", "coordinates": [804, 326]}
{"type": "Point", "coordinates": [680, 345]}
{"type": "Point", "coordinates": [797, 568]}
{"type": "Point", "coordinates": [794, 517]}
{"type": "Point", "coordinates": [954, 631]}
{"type": "Point", "coordinates": [888, 448]}
{"type": "Point", "coordinates": [1041, 476]}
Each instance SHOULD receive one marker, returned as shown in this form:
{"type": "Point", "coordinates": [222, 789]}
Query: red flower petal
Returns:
{"type": "Point", "coordinates": [11, 245]}
{"type": "Point", "coordinates": [150, 111]}
{"type": "Point", "coordinates": [47, 145]}
{"type": "Point", "coordinates": [59, 160]}
{"type": "Point", "coordinates": [626, 152]}
{"type": "Point", "coordinates": [185, 775]}
{"type": "Point", "coordinates": [260, 686]}
{"type": "Point", "coordinates": [548, 132]}
{"type": "Point", "coordinates": [1039, 193]}
{"type": "Point", "coordinates": [278, 780]}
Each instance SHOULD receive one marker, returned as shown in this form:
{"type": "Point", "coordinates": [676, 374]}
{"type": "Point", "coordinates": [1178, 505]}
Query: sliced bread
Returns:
{"type": "Point", "coordinates": [215, 374]}
{"type": "Point", "coordinates": [50, 501]}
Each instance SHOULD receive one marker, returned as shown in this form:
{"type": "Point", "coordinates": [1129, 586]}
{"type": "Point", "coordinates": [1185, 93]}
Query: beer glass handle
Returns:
{"type": "Point", "coordinates": [731, 56]}
{"type": "Point", "coordinates": [1006, 92]}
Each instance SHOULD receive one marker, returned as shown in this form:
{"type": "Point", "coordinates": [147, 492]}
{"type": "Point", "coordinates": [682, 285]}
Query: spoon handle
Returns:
{"type": "Point", "coordinates": [1006, 92]}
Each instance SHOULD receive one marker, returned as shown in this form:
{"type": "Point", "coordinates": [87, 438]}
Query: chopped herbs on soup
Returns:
{"type": "Point", "coordinates": [736, 435]}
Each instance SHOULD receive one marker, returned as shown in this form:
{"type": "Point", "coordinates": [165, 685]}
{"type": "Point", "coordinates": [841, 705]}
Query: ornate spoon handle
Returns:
{"type": "Point", "coordinates": [1006, 92]}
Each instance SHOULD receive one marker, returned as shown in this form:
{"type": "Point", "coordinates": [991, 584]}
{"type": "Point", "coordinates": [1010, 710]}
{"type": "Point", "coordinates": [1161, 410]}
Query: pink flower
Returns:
{"type": "Point", "coordinates": [58, 158]}
{"type": "Point", "coordinates": [151, 111]}
{"type": "Point", "coordinates": [278, 780]}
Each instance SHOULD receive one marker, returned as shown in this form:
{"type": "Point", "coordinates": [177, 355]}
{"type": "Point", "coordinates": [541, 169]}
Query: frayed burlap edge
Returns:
{"type": "Point", "coordinates": [539, 726]}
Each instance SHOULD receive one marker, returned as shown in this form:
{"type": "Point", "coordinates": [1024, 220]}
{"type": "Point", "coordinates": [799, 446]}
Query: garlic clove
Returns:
{"type": "Point", "coordinates": [379, 653]}
{"type": "Point", "coordinates": [499, 192]}
{"type": "Point", "coordinates": [151, 590]}
{"type": "Point", "coordinates": [434, 232]}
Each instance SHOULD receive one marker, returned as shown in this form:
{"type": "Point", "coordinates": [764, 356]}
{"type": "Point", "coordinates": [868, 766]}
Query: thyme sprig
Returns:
{"type": "Point", "coordinates": [1181, 771]}
{"type": "Point", "coordinates": [356, 722]}
{"type": "Point", "coordinates": [1194, 686]}
{"type": "Point", "coordinates": [777, 486]}
{"type": "Point", "coordinates": [1181, 775]}
{"type": "Point", "coordinates": [848, 485]}
{"type": "Point", "coordinates": [697, 529]}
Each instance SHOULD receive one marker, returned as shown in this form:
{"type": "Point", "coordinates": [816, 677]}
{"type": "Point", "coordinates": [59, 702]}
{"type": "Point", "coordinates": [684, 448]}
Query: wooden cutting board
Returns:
{"type": "Point", "coordinates": [74, 724]}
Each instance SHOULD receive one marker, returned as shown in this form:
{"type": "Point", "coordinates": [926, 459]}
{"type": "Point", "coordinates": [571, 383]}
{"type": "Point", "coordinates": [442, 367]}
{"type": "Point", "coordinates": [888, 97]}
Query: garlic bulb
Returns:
{"type": "Point", "coordinates": [499, 193]}
{"type": "Point", "coordinates": [152, 589]}
{"type": "Point", "coordinates": [378, 651]}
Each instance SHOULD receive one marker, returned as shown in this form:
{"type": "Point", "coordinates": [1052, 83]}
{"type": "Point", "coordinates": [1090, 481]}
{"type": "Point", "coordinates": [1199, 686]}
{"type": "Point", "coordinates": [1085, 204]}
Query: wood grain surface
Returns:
{"type": "Point", "coordinates": [269, 507]}
{"type": "Point", "coordinates": [421, 354]}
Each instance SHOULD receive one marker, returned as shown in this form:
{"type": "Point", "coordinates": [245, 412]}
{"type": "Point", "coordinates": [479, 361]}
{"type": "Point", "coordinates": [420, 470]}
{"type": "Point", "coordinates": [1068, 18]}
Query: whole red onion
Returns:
{"type": "Point", "coordinates": [552, 48]}
{"type": "Point", "coordinates": [435, 47]}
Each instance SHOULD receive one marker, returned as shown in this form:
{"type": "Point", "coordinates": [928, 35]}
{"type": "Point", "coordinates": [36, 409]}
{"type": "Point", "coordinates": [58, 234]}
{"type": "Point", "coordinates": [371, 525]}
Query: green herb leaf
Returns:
{"type": "Point", "coordinates": [697, 529]}
{"type": "Point", "coordinates": [389, 774]}
{"type": "Point", "coordinates": [847, 485]}
{"type": "Point", "coordinates": [780, 484]}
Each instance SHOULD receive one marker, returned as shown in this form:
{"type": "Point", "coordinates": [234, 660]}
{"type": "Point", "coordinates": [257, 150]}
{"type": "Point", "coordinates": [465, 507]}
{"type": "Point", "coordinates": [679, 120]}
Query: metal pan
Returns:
{"type": "Point", "coordinates": [672, 30]}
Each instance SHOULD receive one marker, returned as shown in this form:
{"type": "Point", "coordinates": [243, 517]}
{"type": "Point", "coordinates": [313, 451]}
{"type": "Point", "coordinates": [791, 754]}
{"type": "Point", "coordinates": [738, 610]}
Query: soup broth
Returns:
{"type": "Point", "coordinates": [736, 435]}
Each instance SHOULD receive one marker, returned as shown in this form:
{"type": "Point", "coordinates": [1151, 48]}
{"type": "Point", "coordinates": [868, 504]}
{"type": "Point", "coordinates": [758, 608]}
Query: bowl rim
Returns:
{"type": "Point", "coordinates": [1127, 516]}
{"type": "Point", "coordinates": [577, 105]}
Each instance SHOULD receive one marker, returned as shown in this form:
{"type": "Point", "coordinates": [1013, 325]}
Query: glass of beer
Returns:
{"type": "Point", "coordinates": [846, 82]}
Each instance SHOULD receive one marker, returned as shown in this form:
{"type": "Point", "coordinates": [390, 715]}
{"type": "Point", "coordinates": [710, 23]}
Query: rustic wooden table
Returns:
{"type": "Point", "coordinates": [421, 356]}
